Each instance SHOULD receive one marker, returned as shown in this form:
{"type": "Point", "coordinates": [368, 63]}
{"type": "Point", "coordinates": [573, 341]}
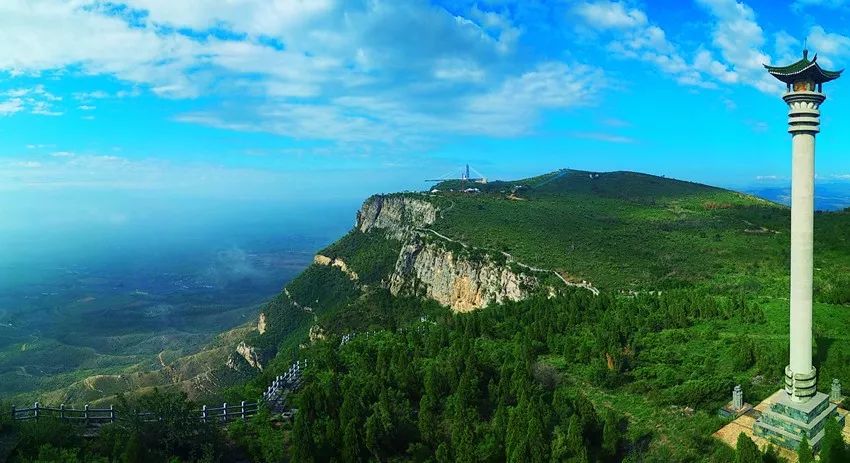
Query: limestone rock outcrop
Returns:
{"type": "Point", "coordinates": [261, 323]}
{"type": "Point", "coordinates": [250, 355]}
{"type": "Point", "coordinates": [338, 263]}
{"type": "Point", "coordinates": [454, 280]}
{"type": "Point", "coordinates": [317, 333]}
{"type": "Point", "coordinates": [434, 271]}
{"type": "Point", "coordinates": [397, 215]}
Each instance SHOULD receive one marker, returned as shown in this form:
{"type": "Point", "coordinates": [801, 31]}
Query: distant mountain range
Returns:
{"type": "Point", "coordinates": [829, 196]}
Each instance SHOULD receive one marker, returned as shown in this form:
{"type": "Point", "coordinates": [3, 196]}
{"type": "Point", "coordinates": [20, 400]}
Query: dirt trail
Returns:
{"type": "Point", "coordinates": [586, 284]}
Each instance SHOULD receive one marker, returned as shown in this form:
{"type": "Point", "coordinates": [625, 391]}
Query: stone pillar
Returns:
{"type": "Point", "coordinates": [835, 393]}
{"type": "Point", "coordinates": [737, 398]}
{"type": "Point", "coordinates": [803, 124]}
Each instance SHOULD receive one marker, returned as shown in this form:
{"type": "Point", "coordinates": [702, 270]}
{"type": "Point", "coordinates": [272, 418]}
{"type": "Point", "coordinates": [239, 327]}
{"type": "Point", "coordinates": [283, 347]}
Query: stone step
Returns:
{"type": "Point", "coordinates": [773, 430]}
{"type": "Point", "coordinates": [825, 414]}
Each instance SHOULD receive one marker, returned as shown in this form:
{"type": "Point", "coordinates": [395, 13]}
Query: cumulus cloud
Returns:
{"type": "Point", "coordinates": [608, 15]}
{"type": "Point", "coordinates": [732, 54]}
{"type": "Point", "coordinates": [354, 71]}
{"type": "Point", "coordinates": [35, 100]}
{"type": "Point", "coordinates": [739, 38]}
{"type": "Point", "coordinates": [786, 46]}
{"type": "Point", "coordinates": [633, 36]}
{"type": "Point", "coordinates": [832, 45]}
{"type": "Point", "coordinates": [11, 106]}
{"type": "Point", "coordinates": [510, 109]}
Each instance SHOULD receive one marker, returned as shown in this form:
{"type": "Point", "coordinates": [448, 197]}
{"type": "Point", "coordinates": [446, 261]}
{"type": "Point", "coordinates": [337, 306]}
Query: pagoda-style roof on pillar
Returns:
{"type": "Point", "coordinates": [803, 70]}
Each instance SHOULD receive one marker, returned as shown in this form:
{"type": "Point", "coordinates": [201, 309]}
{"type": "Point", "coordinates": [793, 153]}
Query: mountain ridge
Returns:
{"type": "Point", "coordinates": [427, 245]}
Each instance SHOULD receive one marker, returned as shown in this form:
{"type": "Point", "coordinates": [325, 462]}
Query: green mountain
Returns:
{"type": "Point", "coordinates": [687, 274]}
{"type": "Point", "coordinates": [574, 316]}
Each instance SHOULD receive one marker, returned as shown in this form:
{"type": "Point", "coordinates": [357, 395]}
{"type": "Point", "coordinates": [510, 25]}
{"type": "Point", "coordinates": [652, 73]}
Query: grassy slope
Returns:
{"type": "Point", "coordinates": [673, 358]}
{"type": "Point", "coordinates": [624, 230]}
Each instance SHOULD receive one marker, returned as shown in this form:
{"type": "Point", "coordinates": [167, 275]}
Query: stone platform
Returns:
{"type": "Point", "coordinates": [785, 422]}
{"type": "Point", "coordinates": [729, 410]}
{"type": "Point", "coordinates": [745, 423]}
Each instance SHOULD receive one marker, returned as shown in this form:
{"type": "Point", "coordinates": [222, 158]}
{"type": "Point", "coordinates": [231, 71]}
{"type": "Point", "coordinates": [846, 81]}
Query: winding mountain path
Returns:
{"type": "Point", "coordinates": [585, 284]}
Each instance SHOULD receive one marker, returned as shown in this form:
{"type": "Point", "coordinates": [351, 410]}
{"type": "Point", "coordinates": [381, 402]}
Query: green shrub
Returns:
{"type": "Point", "coordinates": [47, 434]}
{"type": "Point", "coordinates": [170, 427]}
{"type": "Point", "coordinates": [260, 438]}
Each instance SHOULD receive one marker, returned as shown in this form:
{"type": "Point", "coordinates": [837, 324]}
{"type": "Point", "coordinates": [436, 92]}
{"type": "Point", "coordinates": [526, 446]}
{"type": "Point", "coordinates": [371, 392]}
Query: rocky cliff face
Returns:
{"type": "Point", "coordinates": [261, 323]}
{"type": "Point", "coordinates": [456, 281]}
{"type": "Point", "coordinates": [450, 278]}
{"type": "Point", "coordinates": [397, 215]}
{"type": "Point", "coordinates": [250, 355]}
{"type": "Point", "coordinates": [319, 259]}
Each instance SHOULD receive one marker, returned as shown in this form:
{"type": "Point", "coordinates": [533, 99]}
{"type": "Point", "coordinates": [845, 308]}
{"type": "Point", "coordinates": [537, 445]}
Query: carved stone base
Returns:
{"type": "Point", "coordinates": [787, 421]}
{"type": "Point", "coordinates": [729, 410]}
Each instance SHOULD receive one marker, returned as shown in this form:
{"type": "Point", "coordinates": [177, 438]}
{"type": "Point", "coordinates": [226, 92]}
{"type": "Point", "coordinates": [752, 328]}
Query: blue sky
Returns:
{"type": "Point", "coordinates": [284, 100]}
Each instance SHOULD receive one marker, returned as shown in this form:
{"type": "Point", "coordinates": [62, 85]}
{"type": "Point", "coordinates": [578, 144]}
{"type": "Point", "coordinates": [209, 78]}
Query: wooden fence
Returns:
{"type": "Point", "coordinates": [275, 399]}
{"type": "Point", "coordinates": [95, 416]}
{"type": "Point", "coordinates": [87, 414]}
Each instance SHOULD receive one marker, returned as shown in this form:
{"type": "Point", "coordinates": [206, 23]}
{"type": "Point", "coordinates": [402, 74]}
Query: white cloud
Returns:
{"type": "Point", "coordinates": [347, 71]}
{"type": "Point", "coordinates": [43, 109]}
{"type": "Point", "coordinates": [610, 15]}
{"type": "Point", "coordinates": [606, 137]}
{"type": "Point", "coordinates": [786, 46]}
{"type": "Point", "coordinates": [735, 54]}
{"type": "Point", "coordinates": [11, 106]}
{"type": "Point", "coordinates": [510, 109]}
{"type": "Point", "coordinates": [43, 35]}
{"type": "Point", "coordinates": [86, 107]}
{"type": "Point", "coordinates": [36, 100]}
{"type": "Point", "coordinates": [703, 61]}
{"type": "Point", "coordinates": [740, 39]}
{"type": "Point", "coordinates": [256, 17]}
{"type": "Point", "coordinates": [831, 45]}
{"type": "Point", "coordinates": [634, 37]}
{"type": "Point", "coordinates": [458, 70]}
{"type": "Point", "coordinates": [97, 173]}
{"type": "Point", "coordinates": [93, 95]}
{"type": "Point", "coordinates": [27, 164]}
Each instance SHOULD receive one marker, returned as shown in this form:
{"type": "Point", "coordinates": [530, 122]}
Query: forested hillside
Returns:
{"type": "Point", "coordinates": [448, 326]}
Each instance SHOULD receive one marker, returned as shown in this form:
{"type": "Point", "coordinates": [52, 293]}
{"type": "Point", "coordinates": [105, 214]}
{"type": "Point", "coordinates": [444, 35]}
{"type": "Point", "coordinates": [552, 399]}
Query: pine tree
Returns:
{"type": "Point", "coordinates": [833, 448]}
{"type": "Point", "coordinates": [536, 435]}
{"type": "Point", "coordinates": [429, 419]}
{"type": "Point", "coordinates": [589, 419]}
{"type": "Point", "coordinates": [442, 455]}
{"type": "Point", "coordinates": [560, 448]}
{"type": "Point", "coordinates": [804, 451]}
{"type": "Point", "coordinates": [575, 437]}
{"type": "Point", "coordinates": [463, 436]}
{"type": "Point", "coordinates": [303, 448]}
{"type": "Point", "coordinates": [610, 434]}
{"type": "Point", "coordinates": [746, 451]}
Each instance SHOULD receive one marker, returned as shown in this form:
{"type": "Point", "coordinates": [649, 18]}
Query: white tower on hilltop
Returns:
{"type": "Point", "coordinates": [800, 410]}
{"type": "Point", "coordinates": [803, 124]}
